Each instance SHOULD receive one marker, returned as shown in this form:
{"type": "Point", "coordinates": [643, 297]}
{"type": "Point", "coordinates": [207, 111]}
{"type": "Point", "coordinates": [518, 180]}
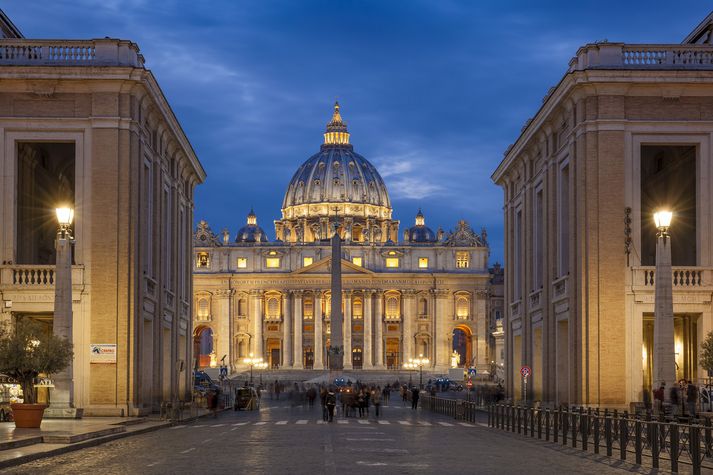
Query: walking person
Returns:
{"type": "Point", "coordinates": [367, 399]}
{"type": "Point", "coordinates": [331, 401]}
{"type": "Point", "coordinates": [414, 398]}
{"type": "Point", "coordinates": [673, 396]}
{"type": "Point", "coordinates": [214, 402]}
{"type": "Point", "coordinates": [360, 402]}
{"type": "Point", "coordinates": [658, 398]}
{"type": "Point", "coordinates": [387, 394]}
{"type": "Point", "coordinates": [691, 398]}
{"type": "Point", "coordinates": [403, 394]}
{"type": "Point", "coordinates": [376, 399]}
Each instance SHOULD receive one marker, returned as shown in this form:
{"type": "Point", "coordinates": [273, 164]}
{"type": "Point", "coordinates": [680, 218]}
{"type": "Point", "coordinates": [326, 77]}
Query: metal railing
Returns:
{"type": "Point", "coordinates": [614, 434]}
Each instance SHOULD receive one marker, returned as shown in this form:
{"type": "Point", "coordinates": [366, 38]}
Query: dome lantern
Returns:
{"type": "Point", "coordinates": [336, 133]}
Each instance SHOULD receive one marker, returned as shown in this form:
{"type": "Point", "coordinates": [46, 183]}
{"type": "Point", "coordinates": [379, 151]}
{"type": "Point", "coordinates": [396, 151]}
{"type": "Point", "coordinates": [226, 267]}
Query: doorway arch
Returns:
{"type": "Point", "coordinates": [203, 345]}
{"type": "Point", "coordinates": [463, 345]}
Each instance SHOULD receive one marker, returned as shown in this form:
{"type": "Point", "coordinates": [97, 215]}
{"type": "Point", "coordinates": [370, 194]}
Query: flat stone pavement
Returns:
{"type": "Point", "coordinates": [294, 440]}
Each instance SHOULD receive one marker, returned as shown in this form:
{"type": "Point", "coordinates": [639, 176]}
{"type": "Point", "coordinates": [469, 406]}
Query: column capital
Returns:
{"type": "Point", "coordinates": [224, 293]}
{"type": "Point", "coordinates": [408, 292]}
{"type": "Point", "coordinates": [379, 292]}
{"type": "Point", "coordinates": [255, 293]}
{"type": "Point", "coordinates": [298, 293]}
{"type": "Point", "coordinates": [441, 293]}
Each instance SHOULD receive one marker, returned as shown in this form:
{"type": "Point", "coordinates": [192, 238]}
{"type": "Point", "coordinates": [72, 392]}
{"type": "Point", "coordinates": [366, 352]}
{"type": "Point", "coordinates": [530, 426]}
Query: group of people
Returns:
{"type": "Point", "coordinates": [684, 391]}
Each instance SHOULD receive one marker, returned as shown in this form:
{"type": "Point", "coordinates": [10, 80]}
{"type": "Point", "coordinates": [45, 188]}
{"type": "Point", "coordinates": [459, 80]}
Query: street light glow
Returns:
{"type": "Point", "coordinates": [663, 218]}
{"type": "Point", "coordinates": [65, 215]}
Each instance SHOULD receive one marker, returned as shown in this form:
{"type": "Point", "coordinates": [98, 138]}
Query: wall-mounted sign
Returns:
{"type": "Point", "coordinates": [44, 383]}
{"type": "Point", "coordinates": [102, 353]}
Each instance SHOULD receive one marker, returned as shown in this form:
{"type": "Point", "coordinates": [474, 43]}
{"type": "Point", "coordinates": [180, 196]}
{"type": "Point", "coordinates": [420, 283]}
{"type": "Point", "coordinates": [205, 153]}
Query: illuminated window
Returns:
{"type": "Point", "coordinates": [423, 262]}
{"type": "Point", "coordinates": [357, 309]}
{"type": "Point", "coordinates": [357, 261]}
{"type": "Point", "coordinates": [272, 262]}
{"type": "Point", "coordinates": [462, 259]}
{"type": "Point", "coordinates": [327, 302]}
{"type": "Point", "coordinates": [202, 259]}
{"type": "Point", "coordinates": [242, 262]}
{"type": "Point", "coordinates": [273, 308]}
{"type": "Point", "coordinates": [308, 308]}
{"type": "Point", "coordinates": [203, 309]}
{"type": "Point", "coordinates": [307, 261]}
{"type": "Point", "coordinates": [392, 307]}
{"type": "Point", "coordinates": [392, 262]}
{"type": "Point", "coordinates": [462, 307]}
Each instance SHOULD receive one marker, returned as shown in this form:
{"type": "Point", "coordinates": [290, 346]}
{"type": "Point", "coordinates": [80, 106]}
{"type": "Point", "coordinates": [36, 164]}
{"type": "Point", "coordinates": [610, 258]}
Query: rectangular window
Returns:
{"type": "Point", "coordinates": [357, 261]}
{"type": "Point", "coordinates": [202, 260]}
{"type": "Point", "coordinates": [423, 262]}
{"type": "Point", "coordinates": [307, 261]}
{"type": "Point", "coordinates": [392, 262]}
{"type": "Point", "coordinates": [242, 262]}
{"type": "Point", "coordinates": [669, 181]}
{"type": "Point", "coordinates": [272, 262]}
{"type": "Point", "coordinates": [563, 222]}
{"type": "Point", "coordinates": [462, 259]}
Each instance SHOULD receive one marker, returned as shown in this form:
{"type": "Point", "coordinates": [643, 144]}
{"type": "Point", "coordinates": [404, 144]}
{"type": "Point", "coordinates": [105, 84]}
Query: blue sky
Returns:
{"type": "Point", "coordinates": [432, 91]}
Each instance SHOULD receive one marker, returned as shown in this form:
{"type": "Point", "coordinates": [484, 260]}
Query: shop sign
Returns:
{"type": "Point", "coordinates": [102, 353]}
{"type": "Point", "coordinates": [44, 383]}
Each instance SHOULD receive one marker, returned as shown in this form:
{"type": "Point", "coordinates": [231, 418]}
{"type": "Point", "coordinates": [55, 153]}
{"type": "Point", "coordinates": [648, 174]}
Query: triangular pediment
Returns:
{"type": "Point", "coordinates": [324, 267]}
{"type": "Point", "coordinates": [702, 34]}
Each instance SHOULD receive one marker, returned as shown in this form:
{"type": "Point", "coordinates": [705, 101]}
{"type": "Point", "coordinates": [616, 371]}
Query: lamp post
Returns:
{"type": "Point", "coordinates": [261, 366]}
{"type": "Point", "coordinates": [409, 367]}
{"type": "Point", "coordinates": [417, 364]}
{"type": "Point", "coordinates": [664, 370]}
{"type": "Point", "coordinates": [62, 401]}
{"type": "Point", "coordinates": [252, 361]}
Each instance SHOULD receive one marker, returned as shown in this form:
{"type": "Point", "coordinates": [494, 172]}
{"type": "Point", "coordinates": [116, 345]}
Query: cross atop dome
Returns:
{"type": "Point", "coordinates": [336, 133]}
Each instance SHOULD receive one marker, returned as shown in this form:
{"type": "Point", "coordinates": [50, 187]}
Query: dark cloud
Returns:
{"type": "Point", "coordinates": [433, 91]}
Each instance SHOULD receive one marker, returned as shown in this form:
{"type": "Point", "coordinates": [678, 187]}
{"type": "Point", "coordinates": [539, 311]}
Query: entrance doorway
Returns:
{"type": "Point", "coordinates": [309, 357]}
{"type": "Point", "coordinates": [463, 345]}
{"type": "Point", "coordinates": [685, 338]}
{"type": "Point", "coordinates": [273, 353]}
{"type": "Point", "coordinates": [357, 358]}
{"type": "Point", "coordinates": [203, 345]}
{"type": "Point", "coordinates": [392, 353]}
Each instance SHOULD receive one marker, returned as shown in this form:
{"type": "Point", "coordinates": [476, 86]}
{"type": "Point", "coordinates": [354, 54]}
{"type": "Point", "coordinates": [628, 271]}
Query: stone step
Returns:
{"type": "Point", "coordinates": [71, 438]}
{"type": "Point", "coordinates": [20, 442]}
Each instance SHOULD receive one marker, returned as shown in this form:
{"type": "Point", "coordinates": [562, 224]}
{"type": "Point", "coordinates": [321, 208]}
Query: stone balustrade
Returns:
{"type": "Point", "coordinates": [97, 52]}
{"type": "Point", "coordinates": [682, 278]}
{"type": "Point", "coordinates": [631, 56]}
{"type": "Point", "coordinates": [34, 276]}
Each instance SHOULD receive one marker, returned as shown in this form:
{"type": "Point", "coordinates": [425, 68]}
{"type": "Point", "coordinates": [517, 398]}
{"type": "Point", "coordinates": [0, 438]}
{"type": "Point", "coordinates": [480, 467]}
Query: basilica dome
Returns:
{"type": "Point", "coordinates": [251, 232]}
{"type": "Point", "coordinates": [420, 233]}
{"type": "Point", "coordinates": [336, 174]}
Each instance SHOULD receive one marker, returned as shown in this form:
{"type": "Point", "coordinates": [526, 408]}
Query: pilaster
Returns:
{"type": "Point", "coordinates": [298, 355]}
{"type": "Point", "coordinates": [256, 319]}
{"type": "Point", "coordinates": [379, 330]}
{"type": "Point", "coordinates": [347, 329]}
{"type": "Point", "coordinates": [318, 332]}
{"type": "Point", "coordinates": [286, 329]}
{"type": "Point", "coordinates": [368, 362]}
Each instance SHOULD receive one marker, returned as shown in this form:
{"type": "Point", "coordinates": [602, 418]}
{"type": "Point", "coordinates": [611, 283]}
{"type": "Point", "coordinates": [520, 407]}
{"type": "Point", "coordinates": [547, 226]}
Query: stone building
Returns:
{"type": "Point", "coordinates": [627, 129]}
{"type": "Point", "coordinates": [425, 295]}
{"type": "Point", "coordinates": [84, 123]}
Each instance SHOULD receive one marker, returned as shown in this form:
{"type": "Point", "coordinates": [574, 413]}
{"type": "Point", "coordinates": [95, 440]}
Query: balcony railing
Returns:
{"type": "Point", "coordinates": [98, 52]}
{"type": "Point", "coordinates": [20, 276]}
{"type": "Point", "coordinates": [630, 56]}
{"type": "Point", "coordinates": [560, 288]}
{"type": "Point", "coordinates": [682, 277]}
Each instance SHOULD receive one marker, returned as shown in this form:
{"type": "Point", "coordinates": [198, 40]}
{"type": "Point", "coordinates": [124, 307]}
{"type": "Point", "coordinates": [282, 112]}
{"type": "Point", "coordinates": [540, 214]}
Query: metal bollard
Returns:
{"type": "Point", "coordinates": [574, 430]}
{"type": "Point", "coordinates": [654, 441]}
{"type": "Point", "coordinates": [524, 421]}
{"type": "Point", "coordinates": [708, 436]}
{"type": "Point", "coordinates": [608, 436]}
{"type": "Point", "coordinates": [547, 425]}
{"type": "Point", "coordinates": [555, 425]}
{"type": "Point", "coordinates": [539, 424]}
{"type": "Point", "coordinates": [597, 435]}
{"type": "Point", "coordinates": [584, 430]}
{"type": "Point", "coordinates": [623, 439]}
{"type": "Point", "coordinates": [673, 431]}
{"type": "Point", "coordinates": [565, 429]}
{"type": "Point", "coordinates": [694, 439]}
{"type": "Point", "coordinates": [637, 440]}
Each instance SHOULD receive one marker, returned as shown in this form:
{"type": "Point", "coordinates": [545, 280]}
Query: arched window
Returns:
{"type": "Point", "coordinates": [357, 309]}
{"type": "Point", "coordinates": [392, 307]}
{"type": "Point", "coordinates": [273, 307]}
{"type": "Point", "coordinates": [203, 309]}
{"type": "Point", "coordinates": [462, 307]}
{"type": "Point", "coordinates": [327, 306]}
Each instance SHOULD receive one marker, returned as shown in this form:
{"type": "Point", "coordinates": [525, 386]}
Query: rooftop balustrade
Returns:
{"type": "Point", "coordinates": [631, 56]}
{"type": "Point", "coordinates": [97, 52]}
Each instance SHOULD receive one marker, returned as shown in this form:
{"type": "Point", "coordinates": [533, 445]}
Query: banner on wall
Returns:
{"type": "Point", "coordinates": [102, 353]}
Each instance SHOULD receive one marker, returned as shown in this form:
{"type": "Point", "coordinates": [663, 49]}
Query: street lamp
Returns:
{"type": "Point", "coordinates": [409, 367]}
{"type": "Point", "coordinates": [414, 364]}
{"type": "Point", "coordinates": [252, 361]}
{"type": "Point", "coordinates": [664, 370]}
{"type": "Point", "coordinates": [261, 366]}
{"type": "Point", "coordinates": [63, 394]}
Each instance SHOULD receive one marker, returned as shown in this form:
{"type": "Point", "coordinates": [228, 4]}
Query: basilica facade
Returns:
{"type": "Point", "coordinates": [426, 295]}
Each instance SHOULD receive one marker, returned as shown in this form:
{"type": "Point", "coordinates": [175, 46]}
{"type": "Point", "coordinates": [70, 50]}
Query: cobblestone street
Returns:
{"type": "Point", "coordinates": [284, 439]}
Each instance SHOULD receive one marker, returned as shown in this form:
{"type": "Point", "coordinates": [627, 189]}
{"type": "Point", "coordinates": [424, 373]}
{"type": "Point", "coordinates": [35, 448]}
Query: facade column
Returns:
{"type": "Point", "coordinates": [318, 333]}
{"type": "Point", "coordinates": [481, 332]}
{"type": "Point", "coordinates": [407, 324]}
{"type": "Point", "coordinates": [298, 356]}
{"type": "Point", "coordinates": [379, 330]}
{"type": "Point", "coordinates": [256, 319]}
{"type": "Point", "coordinates": [442, 341]}
{"type": "Point", "coordinates": [286, 329]}
{"type": "Point", "coordinates": [367, 352]}
{"type": "Point", "coordinates": [222, 325]}
{"type": "Point", "coordinates": [347, 329]}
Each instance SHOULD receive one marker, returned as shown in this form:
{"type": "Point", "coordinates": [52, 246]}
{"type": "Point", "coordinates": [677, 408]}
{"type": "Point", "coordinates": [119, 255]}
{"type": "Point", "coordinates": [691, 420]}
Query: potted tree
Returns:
{"type": "Point", "coordinates": [27, 350]}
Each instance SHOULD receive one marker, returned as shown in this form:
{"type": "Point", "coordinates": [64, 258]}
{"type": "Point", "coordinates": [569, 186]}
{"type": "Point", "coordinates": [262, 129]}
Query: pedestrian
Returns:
{"type": "Point", "coordinates": [673, 397]}
{"type": "Point", "coordinates": [367, 400]}
{"type": "Point", "coordinates": [278, 389]}
{"type": "Point", "coordinates": [658, 398]}
{"type": "Point", "coordinates": [414, 398]}
{"type": "Point", "coordinates": [376, 399]}
{"type": "Point", "coordinates": [214, 402]}
{"type": "Point", "coordinates": [403, 394]}
{"type": "Point", "coordinates": [331, 402]}
{"type": "Point", "coordinates": [691, 398]}
{"type": "Point", "coordinates": [360, 402]}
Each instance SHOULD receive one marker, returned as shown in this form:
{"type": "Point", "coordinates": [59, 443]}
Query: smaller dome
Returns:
{"type": "Point", "coordinates": [420, 233]}
{"type": "Point", "coordinates": [251, 232]}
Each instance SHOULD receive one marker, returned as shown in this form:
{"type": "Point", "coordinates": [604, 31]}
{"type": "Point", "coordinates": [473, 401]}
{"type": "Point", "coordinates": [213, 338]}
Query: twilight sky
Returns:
{"type": "Point", "coordinates": [432, 91]}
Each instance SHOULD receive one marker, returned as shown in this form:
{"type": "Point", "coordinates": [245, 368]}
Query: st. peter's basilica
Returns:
{"type": "Point", "coordinates": [428, 295]}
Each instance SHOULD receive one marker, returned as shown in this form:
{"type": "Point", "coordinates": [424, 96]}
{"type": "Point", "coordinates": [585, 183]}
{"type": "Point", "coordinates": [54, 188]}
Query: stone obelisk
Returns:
{"type": "Point", "coordinates": [336, 349]}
